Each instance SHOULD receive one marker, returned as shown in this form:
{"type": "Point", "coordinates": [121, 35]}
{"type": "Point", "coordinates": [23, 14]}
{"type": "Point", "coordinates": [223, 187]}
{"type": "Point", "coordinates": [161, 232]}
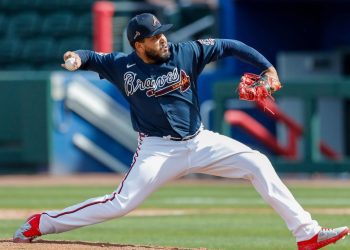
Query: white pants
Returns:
{"type": "Point", "coordinates": [158, 160]}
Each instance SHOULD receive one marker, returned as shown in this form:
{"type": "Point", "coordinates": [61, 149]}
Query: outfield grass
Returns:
{"type": "Point", "coordinates": [227, 216]}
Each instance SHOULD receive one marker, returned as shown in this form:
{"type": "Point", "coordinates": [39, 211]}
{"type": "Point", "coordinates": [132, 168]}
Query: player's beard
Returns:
{"type": "Point", "coordinates": [157, 57]}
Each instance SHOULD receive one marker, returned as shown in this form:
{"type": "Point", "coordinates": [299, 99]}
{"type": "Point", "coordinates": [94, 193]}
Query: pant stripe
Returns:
{"type": "Point", "coordinates": [80, 208]}
{"type": "Point", "coordinates": [141, 137]}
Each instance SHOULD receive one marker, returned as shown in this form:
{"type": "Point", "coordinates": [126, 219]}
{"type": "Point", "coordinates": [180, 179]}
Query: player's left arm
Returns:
{"type": "Point", "coordinates": [252, 56]}
{"type": "Point", "coordinates": [209, 50]}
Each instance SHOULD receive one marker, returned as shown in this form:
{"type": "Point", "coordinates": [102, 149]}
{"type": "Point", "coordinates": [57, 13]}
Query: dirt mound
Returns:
{"type": "Point", "coordinates": [78, 245]}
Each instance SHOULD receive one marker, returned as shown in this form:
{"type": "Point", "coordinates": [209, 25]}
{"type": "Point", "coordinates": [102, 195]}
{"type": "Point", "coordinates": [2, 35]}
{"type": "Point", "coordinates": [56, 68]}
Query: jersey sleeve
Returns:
{"type": "Point", "coordinates": [105, 64]}
{"type": "Point", "coordinates": [209, 50]}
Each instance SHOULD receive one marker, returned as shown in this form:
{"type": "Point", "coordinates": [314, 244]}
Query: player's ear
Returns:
{"type": "Point", "coordinates": [139, 46]}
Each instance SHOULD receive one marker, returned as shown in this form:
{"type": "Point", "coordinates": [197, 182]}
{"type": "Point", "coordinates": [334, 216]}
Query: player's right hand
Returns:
{"type": "Point", "coordinates": [77, 62]}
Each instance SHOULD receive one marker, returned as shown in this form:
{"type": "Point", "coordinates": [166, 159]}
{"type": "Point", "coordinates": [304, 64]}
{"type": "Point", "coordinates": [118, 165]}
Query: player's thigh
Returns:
{"type": "Point", "coordinates": [211, 147]}
{"type": "Point", "coordinates": [223, 156]}
{"type": "Point", "coordinates": [150, 170]}
{"type": "Point", "coordinates": [246, 165]}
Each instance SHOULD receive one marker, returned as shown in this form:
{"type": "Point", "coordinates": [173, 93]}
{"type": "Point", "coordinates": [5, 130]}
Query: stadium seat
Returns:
{"type": "Point", "coordinates": [25, 25]}
{"type": "Point", "coordinates": [10, 50]}
{"type": "Point", "coordinates": [38, 51]}
{"type": "Point", "coordinates": [84, 25]}
{"type": "Point", "coordinates": [34, 34]}
{"type": "Point", "coordinates": [11, 6]}
{"type": "Point", "coordinates": [47, 6]}
{"type": "Point", "coordinates": [60, 24]}
{"type": "Point", "coordinates": [3, 25]}
{"type": "Point", "coordinates": [73, 43]}
{"type": "Point", "coordinates": [79, 6]}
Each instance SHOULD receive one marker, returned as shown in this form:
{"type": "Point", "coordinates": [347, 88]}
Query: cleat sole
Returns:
{"type": "Point", "coordinates": [19, 240]}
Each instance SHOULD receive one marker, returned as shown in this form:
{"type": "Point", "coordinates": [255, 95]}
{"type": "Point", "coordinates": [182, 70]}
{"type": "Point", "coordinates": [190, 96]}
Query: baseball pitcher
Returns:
{"type": "Point", "coordinates": [159, 80]}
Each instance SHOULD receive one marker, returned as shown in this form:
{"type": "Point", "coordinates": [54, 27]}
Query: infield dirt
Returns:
{"type": "Point", "coordinates": [79, 245]}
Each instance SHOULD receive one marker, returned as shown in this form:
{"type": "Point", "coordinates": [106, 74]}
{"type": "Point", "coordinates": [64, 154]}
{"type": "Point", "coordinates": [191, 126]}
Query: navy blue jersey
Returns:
{"type": "Point", "coordinates": [163, 97]}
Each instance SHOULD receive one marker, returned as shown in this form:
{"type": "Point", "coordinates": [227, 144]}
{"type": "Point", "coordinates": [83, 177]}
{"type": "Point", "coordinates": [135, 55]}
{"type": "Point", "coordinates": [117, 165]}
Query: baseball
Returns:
{"type": "Point", "coordinates": [70, 63]}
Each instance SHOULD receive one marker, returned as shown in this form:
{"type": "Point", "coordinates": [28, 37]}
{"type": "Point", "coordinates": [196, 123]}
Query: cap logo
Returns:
{"type": "Point", "coordinates": [155, 21]}
{"type": "Point", "coordinates": [137, 34]}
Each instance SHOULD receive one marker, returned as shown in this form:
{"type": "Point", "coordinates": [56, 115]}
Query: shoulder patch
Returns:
{"type": "Point", "coordinates": [208, 41]}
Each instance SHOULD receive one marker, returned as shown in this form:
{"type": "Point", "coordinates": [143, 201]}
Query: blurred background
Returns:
{"type": "Point", "coordinates": [58, 122]}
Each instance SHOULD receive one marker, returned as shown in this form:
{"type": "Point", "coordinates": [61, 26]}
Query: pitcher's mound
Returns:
{"type": "Point", "coordinates": [78, 245]}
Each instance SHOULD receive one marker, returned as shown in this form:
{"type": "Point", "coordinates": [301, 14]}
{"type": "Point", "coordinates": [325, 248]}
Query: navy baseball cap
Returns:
{"type": "Point", "coordinates": [143, 26]}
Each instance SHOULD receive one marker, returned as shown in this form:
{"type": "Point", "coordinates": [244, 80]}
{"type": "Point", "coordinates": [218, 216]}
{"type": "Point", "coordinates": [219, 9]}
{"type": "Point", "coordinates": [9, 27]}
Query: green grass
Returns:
{"type": "Point", "coordinates": [226, 229]}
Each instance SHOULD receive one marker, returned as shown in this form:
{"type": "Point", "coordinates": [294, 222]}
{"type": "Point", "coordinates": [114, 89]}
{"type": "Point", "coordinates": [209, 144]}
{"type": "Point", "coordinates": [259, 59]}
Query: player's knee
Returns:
{"type": "Point", "coordinates": [261, 164]}
{"type": "Point", "coordinates": [258, 158]}
{"type": "Point", "coordinates": [263, 159]}
{"type": "Point", "coordinates": [119, 211]}
{"type": "Point", "coordinates": [124, 206]}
